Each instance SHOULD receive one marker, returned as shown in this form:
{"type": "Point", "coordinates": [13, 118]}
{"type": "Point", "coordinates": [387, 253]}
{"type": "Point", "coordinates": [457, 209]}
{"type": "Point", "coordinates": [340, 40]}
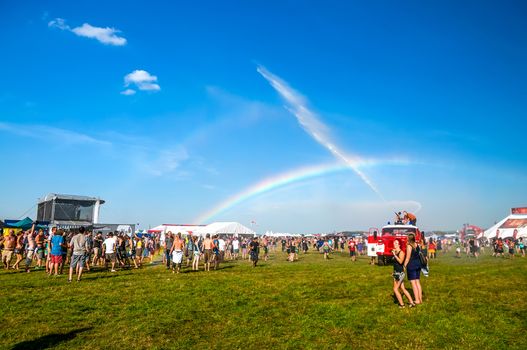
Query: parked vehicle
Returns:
{"type": "Point", "coordinates": [380, 242]}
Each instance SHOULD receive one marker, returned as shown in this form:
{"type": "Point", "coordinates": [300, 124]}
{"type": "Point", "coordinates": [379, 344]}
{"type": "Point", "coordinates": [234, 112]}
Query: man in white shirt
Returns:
{"type": "Point", "coordinates": [221, 247]}
{"type": "Point", "coordinates": [235, 248]}
{"type": "Point", "coordinates": [108, 248]}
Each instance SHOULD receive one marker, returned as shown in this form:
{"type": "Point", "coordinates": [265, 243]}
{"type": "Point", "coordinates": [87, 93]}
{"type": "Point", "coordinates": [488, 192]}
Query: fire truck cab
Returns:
{"type": "Point", "coordinates": [380, 242]}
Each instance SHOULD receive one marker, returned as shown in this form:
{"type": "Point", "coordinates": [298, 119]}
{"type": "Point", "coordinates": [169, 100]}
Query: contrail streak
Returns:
{"type": "Point", "coordinates": [297, 105]}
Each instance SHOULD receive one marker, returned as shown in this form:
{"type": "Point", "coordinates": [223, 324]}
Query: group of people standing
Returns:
{"type": "Point", "coordinates": [79, 248]}
{"type": "Point", "coordinates": [212, 250]}
{"type": "Point", "coordinates": [408, 261]}
{"type": "Point", "coordinates": [511, 246]}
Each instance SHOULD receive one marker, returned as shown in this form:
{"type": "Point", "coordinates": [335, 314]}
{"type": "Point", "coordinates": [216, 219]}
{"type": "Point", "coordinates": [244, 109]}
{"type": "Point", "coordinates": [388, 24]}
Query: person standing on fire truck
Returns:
{"type": "Point", "coordinates": [409, 218]}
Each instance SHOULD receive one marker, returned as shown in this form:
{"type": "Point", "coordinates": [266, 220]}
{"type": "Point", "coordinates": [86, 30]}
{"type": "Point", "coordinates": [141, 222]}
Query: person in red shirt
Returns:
{"type": "Point", "coordinates": [353, 249]}
{"type": "Point", "coordinates": [431, 249]}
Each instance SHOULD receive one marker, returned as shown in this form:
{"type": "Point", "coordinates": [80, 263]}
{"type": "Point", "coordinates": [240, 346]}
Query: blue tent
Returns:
{"type": "Point", "coordinates": [25, 224]}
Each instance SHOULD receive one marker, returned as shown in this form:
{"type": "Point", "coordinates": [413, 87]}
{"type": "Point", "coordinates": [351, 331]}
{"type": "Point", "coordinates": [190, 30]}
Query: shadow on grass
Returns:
{"type": "Point", "coordinates": [94, 278]}
{"type": "Point", "coordinates": [50, 340]}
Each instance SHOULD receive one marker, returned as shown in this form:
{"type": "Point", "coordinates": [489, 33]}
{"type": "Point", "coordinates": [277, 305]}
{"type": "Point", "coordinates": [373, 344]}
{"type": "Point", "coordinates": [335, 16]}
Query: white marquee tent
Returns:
{"type": "Point", "coordinates": [281, 234]}
{"type": "Point", "coordinates": [514, 223]}
{"type": "Point", "coordinates": [220, 228]}
{"type": "Point", "coordinates": [226, 228]}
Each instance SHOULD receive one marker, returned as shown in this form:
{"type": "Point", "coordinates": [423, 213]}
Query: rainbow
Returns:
{"type": "Point", "coordinates": [284, 179]}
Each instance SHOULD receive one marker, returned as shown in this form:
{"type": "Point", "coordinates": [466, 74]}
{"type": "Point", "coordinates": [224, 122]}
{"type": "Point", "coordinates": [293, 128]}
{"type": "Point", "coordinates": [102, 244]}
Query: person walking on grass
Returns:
{"type": "Point", "coordinates": [108, 247]}
{"type": "Point", "coordinates": [326, 248]}
{"type": "Point", "coordinates": [254, 250]}
{"type": "Point", "coordinates": [19, 249]}
{"type": "Point", "coordinates": [40, 240]}
{"type": "Point", "coordinates": [97, 249]}
{"type": "Point", "coordinates": [31, 245]}
{"type": "Point", "coordinates": [169, 241]}
{"type": "Point", "coordinates": [221, 249]}
{"type": "Point", "coordinates": [216, 252]}
{"type": "Point", "coordinates": [431, 249]}
{"type": "Point", "coordinates": [189, 249]}
{"type": "Point", "coordinates": [412, 264]}
{"type": "Point", "coordinates": [49, 263]}
{"type": "Point", "coordinates": [521, 245]}
{"type": "Point", "coordinates": [78, 245]}
{"type": "Point", "coordinates": [89, 249]}
{"type": "Point", "coordinates": [235, 248]}
{"type": "Point", "coordinates": [291, 250]}
{"type": "Point", "coordinates": [458, 248]}
{"type": "Point", "coordinates": [244, 249]}
{"type": "Point", "coordinates": [265, 248]}
{"type": "Point", "coordinates": [207, 251]}
{"type": "Point", "coordinates": [66, 250]}
{"type": "Point", "coordinates": [511, 249]}
{"type": "Point", "coordinates": [353, 249]}
{"type": "Point", "coordinates": [57, 244]}
{"type": "Point", "coordinates": [9, 247]}
{"type": "Point", "coordinates": [139, 250]}
{"type": "Point", "coordinates": [177, 252]}
{"type": "Point", "coordinates": [398, 275]}
{"type": "Point", "coordinates": [305, 245]}
{"type": "Point", "coordinates": [195, 253]}
{"type": "Point", "coordinates": [499, 245]}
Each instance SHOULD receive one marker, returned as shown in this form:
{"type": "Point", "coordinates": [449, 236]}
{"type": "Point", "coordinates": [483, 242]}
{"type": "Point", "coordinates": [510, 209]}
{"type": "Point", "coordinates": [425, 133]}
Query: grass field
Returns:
{"type": "Point", "coordinates": [309, 304]}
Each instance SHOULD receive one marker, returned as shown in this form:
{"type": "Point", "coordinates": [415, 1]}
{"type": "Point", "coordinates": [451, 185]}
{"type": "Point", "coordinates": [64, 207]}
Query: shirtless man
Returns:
{"type": "Point", "coordinates": [9, 247]}
{"type": "Point", "coordinates": [19, 249]}
{"type": "Point", "coordinates": [39, 240]}
{"type": "Point", "coordinates": [207, 251]}
{"type": "Point", "coordinates": [177, 252]}
{"type": "Point", "coordinates": [409, 218]}
{"type": "Point", "coordinates": [30, 249]}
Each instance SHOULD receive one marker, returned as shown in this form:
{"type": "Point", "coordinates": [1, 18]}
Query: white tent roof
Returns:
{"type": "Point", "coordinates": [226, 228]}
{"type": "Point", "coordinates": [281, 234]}
{"type": "Point", "coordinates": [229, 228]}
{"type": "Point", "coordinates": [507, 226]}
{"type": "Point", "coordinates": [184, 229]}
{"type": "Point", "coordinates": [160, 228]}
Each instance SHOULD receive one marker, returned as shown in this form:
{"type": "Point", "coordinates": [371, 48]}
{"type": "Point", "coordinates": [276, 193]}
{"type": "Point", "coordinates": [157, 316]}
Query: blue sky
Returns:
{"type": "Point", "coordinates": [432, 95]}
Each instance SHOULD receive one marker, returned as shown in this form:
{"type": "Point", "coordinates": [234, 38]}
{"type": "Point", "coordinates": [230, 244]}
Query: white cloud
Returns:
{"type": "Point", "coordinates": [139, 152]}
{"type": "Point", "coordinates": [107, 35]}
{"type": "Point", "coordinates": [142, 80]}
{"type": "Point", "coordinates": [167, 161]}
{"type": "Point", "coordinates": [104, 35]}
{"type": "Point", "coordinates": [128, 92]}
{"type": "Point", "coordinates": [59, 23]}
{"type": "Point", "coordinates": [51, 133]}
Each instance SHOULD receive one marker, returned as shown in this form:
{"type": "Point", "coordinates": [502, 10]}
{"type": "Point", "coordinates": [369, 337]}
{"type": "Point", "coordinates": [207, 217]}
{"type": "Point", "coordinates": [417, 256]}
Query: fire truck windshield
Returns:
{"type": "Point", "coordinates": [398, 231]}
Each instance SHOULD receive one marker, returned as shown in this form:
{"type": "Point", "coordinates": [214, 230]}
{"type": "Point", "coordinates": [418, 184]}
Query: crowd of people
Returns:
{"type": "Point", "coordinates": [83, 250]}
{"type": "Point", "coordinates": [80, 248]}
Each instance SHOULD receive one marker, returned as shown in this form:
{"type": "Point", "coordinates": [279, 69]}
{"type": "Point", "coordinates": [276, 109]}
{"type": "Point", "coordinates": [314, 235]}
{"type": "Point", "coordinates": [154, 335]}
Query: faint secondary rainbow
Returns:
{"type": "Point", "coordinates": [284, 179]}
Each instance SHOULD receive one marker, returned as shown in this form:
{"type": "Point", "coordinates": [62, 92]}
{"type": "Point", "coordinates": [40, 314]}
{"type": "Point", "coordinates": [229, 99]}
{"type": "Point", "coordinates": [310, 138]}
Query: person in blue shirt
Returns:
{"type": "Point", "coordinates": [57, 244]}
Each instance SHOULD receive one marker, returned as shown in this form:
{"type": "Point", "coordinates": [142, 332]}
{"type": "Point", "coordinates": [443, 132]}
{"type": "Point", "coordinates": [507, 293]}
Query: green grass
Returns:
{"type": "Point", "coordinates": [309, 304]}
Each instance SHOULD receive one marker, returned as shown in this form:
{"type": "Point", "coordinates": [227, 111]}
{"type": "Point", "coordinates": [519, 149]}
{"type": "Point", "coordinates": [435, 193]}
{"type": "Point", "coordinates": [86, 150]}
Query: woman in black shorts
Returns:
{"type": "Point", "coordinates": [412, 263]}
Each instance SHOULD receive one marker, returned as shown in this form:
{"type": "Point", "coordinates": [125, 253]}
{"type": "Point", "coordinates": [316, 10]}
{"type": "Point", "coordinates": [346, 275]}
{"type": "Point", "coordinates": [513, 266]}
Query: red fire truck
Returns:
{"type": "Point", "coordinates": [380, 242]}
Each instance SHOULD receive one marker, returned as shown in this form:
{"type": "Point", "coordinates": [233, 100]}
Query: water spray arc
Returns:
{"type": "Point", "coordinates": [310, 122]}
